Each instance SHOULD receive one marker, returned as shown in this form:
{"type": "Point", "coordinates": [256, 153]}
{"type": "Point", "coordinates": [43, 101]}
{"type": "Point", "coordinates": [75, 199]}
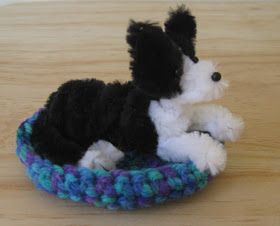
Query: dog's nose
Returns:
{"type": "Point", "coordinates": [216, 76]}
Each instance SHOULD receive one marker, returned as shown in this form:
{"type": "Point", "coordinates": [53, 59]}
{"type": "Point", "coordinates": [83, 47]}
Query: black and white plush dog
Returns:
{"type": "Point", "coordinates": [93, 124]}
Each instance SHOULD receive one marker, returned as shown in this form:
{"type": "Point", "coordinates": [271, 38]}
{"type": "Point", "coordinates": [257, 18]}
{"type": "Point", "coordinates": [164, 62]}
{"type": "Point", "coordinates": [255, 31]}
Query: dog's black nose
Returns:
{"type": "Point", "coordinates": [216, 76]}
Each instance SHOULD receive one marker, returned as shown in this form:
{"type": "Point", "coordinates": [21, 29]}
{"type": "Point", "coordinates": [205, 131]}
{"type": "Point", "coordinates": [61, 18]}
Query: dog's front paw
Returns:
{"type": "Point", "coordinates": [216, 157]}
{"type": "Point", "coordinates": [226, 126]}
{"type": "Point", "coordinates": [206, 153]}
{"type": "Point", "coordinates": [233, 127]}
{"type": "Point", "coordinates": [210, 155]}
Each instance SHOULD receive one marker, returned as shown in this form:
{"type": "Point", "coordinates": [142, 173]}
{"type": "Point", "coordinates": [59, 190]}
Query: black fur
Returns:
{"type": "Point", "coordinates": [181, 28]}
{"type": "Point", "coordinates": [84, 111]}
{"type": "Point", "coordinates": [81, 112]}
{"type": "Point", "coordinates": [156, 61]}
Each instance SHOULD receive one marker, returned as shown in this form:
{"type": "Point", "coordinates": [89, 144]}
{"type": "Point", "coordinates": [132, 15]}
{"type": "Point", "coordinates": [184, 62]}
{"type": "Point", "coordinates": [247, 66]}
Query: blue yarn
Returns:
{"type": "Point", "coordinates": [136, 185]}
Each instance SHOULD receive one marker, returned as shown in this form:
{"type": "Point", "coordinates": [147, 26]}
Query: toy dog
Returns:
{"type": "Point", "coordinates": [93, 124]}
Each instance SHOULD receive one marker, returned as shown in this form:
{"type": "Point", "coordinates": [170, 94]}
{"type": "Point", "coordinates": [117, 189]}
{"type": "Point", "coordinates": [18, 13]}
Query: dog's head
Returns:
{"type": "Point", "coordinates": [164, 64]}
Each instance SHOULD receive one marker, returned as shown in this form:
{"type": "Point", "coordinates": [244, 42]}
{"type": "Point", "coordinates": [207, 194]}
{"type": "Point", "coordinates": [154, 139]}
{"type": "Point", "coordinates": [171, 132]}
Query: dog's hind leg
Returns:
{"type": "Point", "coordinates": [101, 154]}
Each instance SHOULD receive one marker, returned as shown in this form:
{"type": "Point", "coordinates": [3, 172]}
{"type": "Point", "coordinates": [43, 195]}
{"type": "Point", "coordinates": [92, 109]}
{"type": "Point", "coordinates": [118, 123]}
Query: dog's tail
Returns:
{"type": "Point", "coordinates": [49, 143]}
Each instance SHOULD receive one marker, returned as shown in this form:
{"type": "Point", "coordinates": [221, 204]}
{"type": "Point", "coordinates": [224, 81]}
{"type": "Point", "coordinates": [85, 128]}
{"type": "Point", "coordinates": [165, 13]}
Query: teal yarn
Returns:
{"type": "Point", "coordinates": [139, 181]}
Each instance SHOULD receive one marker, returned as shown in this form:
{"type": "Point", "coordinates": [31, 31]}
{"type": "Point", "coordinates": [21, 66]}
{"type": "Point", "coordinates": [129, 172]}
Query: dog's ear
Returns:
{"type": "Point", "coordinates": [156, 61]}
{"type": "Point", "coordinates": [181, 28]}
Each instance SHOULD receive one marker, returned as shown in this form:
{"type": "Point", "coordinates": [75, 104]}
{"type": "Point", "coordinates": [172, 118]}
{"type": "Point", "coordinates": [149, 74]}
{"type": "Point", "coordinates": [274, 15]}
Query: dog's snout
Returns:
{"type": "Point", "coordinates": [216, 76]}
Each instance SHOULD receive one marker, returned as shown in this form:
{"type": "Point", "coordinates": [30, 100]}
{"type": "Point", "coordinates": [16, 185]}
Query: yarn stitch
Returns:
{"type": "Point", "coordinates": [137, 182]}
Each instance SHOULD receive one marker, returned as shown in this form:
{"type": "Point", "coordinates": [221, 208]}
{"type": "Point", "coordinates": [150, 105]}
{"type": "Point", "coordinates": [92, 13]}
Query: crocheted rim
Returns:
{"type": "Point", "coordinates": [116, 189]}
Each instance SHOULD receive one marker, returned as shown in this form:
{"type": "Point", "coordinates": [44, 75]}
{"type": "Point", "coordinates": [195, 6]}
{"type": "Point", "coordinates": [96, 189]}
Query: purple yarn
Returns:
{"type": "Point", "coordinates": [140, 182]}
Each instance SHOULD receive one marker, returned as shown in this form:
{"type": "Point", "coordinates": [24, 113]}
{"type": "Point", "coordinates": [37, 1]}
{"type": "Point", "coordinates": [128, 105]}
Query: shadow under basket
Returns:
{"type": "Point", "coordinates": [138, 181]}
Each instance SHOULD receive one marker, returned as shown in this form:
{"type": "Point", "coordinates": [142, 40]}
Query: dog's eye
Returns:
{"type": "Point", "coordinates": [195, 59]}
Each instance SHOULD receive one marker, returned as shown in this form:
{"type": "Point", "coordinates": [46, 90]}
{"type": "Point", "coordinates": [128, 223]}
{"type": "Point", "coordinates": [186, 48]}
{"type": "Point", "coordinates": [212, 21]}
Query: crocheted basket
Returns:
{"type": "Point", "coordinates": [138, 181]}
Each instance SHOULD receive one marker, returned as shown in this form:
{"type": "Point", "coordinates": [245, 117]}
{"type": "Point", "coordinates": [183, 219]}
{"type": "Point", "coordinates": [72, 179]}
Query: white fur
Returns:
{"type": "Point", "coordinates": [217, 120]}
{"type": "Point", "coordinates": [101, 154]}
{"type": "Point", "coordinates": [168, 117]}
{"type": "Point", "coordinates": [174, 117]}
{"type": "Point", "coordinates": [197, 84]}
{"type": "Point", "coordinates": [201, 149]}
{"type": "Point", "coordinates": [109, 150]}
